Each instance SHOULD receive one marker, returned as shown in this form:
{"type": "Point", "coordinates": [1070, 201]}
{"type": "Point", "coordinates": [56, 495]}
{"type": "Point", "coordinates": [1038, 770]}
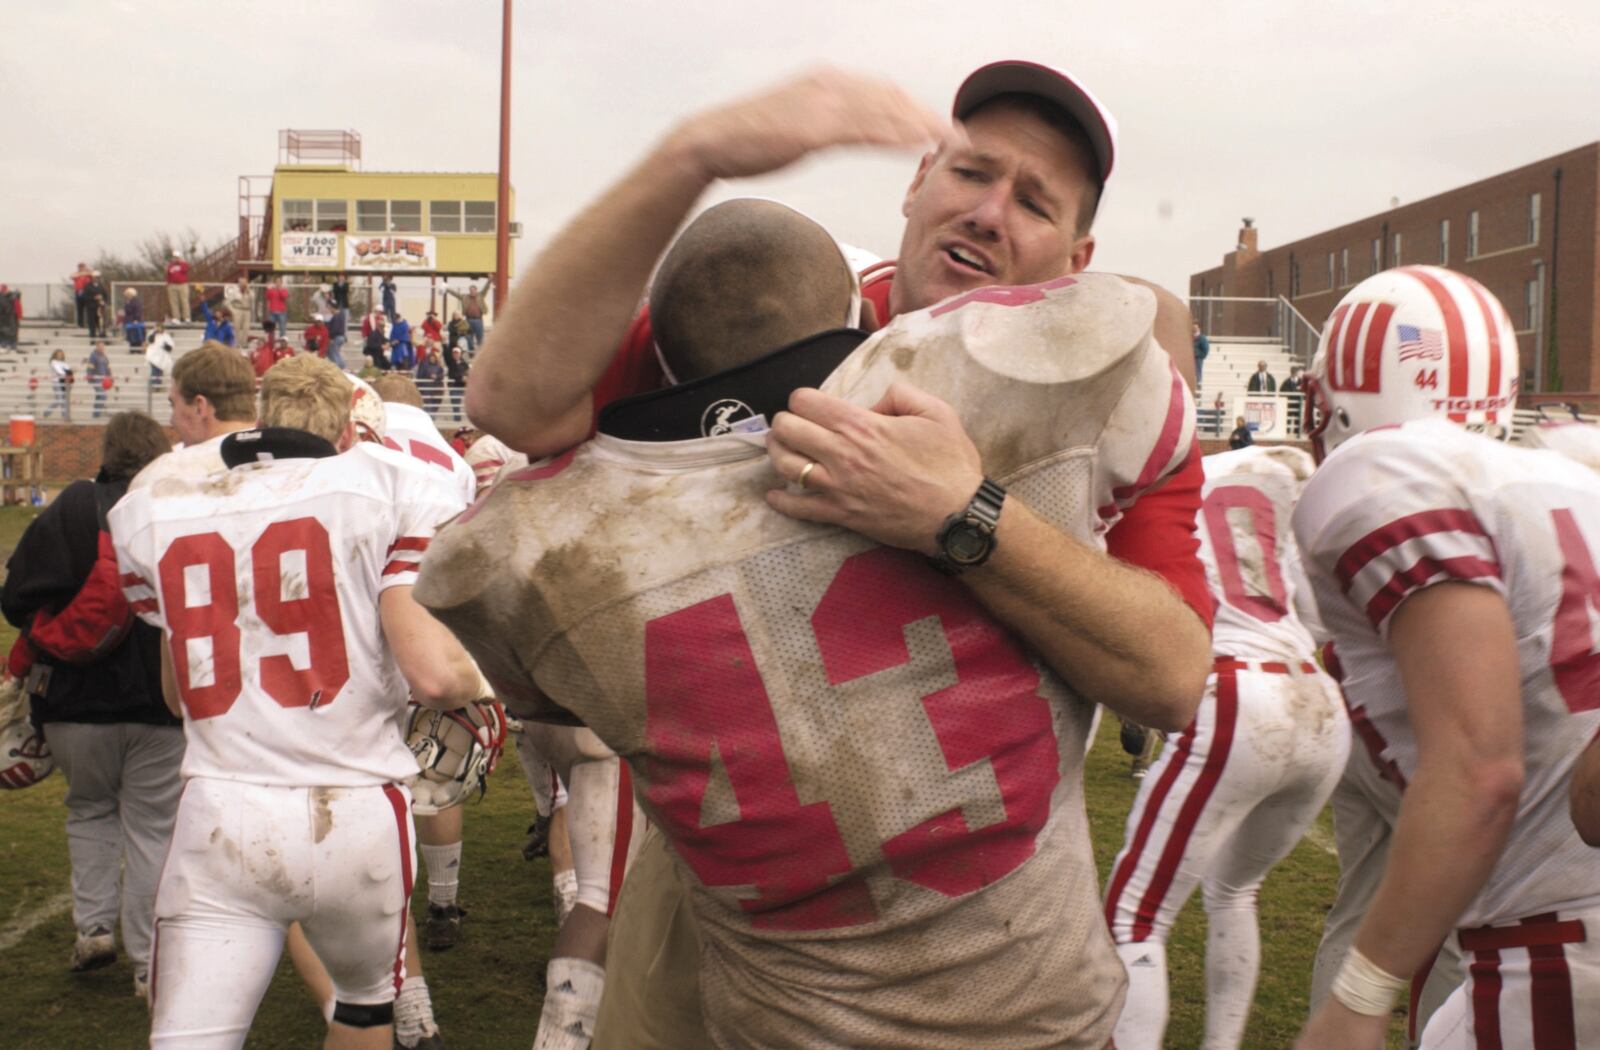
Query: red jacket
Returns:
{"type": "Point", "coordinates": [177, 272]}
{"type": "Point", "coordinates": [277, 299]}
{"type": "Point", "coordinates": [262, 357]}
{"type": "Point", "coordinates": [316, 338]}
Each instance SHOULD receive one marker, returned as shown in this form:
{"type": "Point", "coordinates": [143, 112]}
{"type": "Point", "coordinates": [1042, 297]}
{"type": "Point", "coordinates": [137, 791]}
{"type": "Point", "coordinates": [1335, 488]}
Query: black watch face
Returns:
{"type": "Point", "coordinates": [966, 543]}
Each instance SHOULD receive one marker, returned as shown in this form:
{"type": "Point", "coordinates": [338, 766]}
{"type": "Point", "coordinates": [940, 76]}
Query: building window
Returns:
{"type": "Point", "coordinates": [1394, 256]}
{"type": "Point", "coordinates": [296, 216]}
{"type": "Point", "coordinates": [1377, 254]}
{"type": "Point", "coordinates": [1330, 271]}
{"type": "Point", "coordinates": [1531, 305]}
{"type": "Point", "coordinates": [372, 216]}
{"type": "Point", "coordinates": [1344, 267]}
{"type": "Point", "coordinates": [1294, 280]}
{"type": "Point", "coordinates": [1444, 242]}
{"type": "Point", "coordinates": [405, 216]}
{"type": "Point", "coordinates": [1472, 235]}
{"type": "Point", "coordinates": [444, 216]}
{"type": "Point", "coordinates": [333, 216]}
{"type": "Point", "coordinates": [478, 217]}
{"type": "Point", "coordinates": [1533, 219]}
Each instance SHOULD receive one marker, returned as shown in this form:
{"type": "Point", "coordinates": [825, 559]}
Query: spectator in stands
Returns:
{"type": "Point", "coordinates": [458, 331]}
{"type": "Point", "coordinates": [269, 330]}
{"type": "Point", "coordinates": [472, 308]}
{"type": "Point", "coordinates": [1293, 386]}
{"type": "Point", "coordinates": [402, 355]}
{"type": "Point", "coordinates": [241, 301]}
{"type": "Point", "coordinates": [177, 289]}
{"type": "Point", "coordinates": [10, 316]}
{"type": "Point", "coordinates": [336, 336]}
{"type": "Point", "coordinates": [374, 321]}
{"type": "Point", "coordinates": [133, 319]}
{"type": "Point", "coordinates": [263, 356]}
{"type": "Point", "coordinates": [98, 699]}
{"type": "Point", "coordinates": [94, 305]}
{"type": "Point", "coordinates": [1202, 347]}
{"type": "Point", "coordinates": [61, 383]}
{"type": "Point", "coordinates": [281, 351]}
{"type": "Point", "coordinates": [99, 375]}
{"type": "Point", "coordinates": [457, 367]}
{"type": "Point", "coordinates": [278, 307]}
{"type": "Point", "coordinates": [80, 277]}
{"type": "Point", "coordinates": [158, 355]}
{"type": "Point", "coordinates": [432, 330]}
{"type": "Point", "coordinates": [315, 337]}
{"type": "Point", "coordinates": [321, 301]}
{"type": "Point", "coordinates": [1219, 409]}
{"type": "Point", "coordinates": [340, 291]}
{"type": "Point", "coordinates": [219, 324]}
{"type": "Point", "coordinates": [376, 348]}
{"type": "Point", "coordinates": [1261, 381]}
{"type": "Point", "coordinates": [1241, 436]}
{"type": "Point", "coordinates": [430, 378]}
{"type": "Point", "coordinates": [387, 288]}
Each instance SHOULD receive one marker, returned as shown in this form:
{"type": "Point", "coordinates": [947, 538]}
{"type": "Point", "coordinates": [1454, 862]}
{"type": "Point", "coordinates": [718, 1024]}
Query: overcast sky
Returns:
{"type": "Point", "coordinates": [124, 117]}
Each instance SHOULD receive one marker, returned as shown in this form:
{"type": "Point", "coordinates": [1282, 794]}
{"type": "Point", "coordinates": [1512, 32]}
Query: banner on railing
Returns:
{"type": "Point", "coordinates": [318, 251]}
{"type": "Point", "coordinates": [389, 253]}
{"type": "Point", "coordinates": [1270, 416]}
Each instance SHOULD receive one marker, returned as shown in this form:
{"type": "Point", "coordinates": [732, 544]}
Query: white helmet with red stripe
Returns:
{"type": "Point", "coordinates": [366, 410]}
{"type": "Point", "coordinates": [1415, 342]}
{"type": "Point", "coordinates": [25, 758]}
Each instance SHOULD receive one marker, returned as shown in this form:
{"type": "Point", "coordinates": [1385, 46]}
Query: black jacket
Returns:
{"type": "Point", "coordinates": [50, 564]}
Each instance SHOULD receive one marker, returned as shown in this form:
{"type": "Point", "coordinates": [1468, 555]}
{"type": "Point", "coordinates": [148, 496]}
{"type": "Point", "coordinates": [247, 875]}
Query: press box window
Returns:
{"type": "Point", "coordinates": [372, 216]}
{"type": "Point", "coordinates": [478, 217]}
{"type": "Point", "coordinates": [296, 216]}
{"type": "Point", "coordinates": [405, 216]}
{"type": "Point", "coordinates": [444, 216]}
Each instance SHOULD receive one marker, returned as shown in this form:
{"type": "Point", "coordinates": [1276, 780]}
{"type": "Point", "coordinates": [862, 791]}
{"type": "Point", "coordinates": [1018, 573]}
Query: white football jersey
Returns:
{"type": "Point", "coordinates": [489, 458]}
{"type": "Point", "coordinates": [1246, 543]}
{"type": "Point", "coordinates": [410, 430]}
{"type": "Point", "coordinates": [187, 461]}
{"type": "Point", "coordinates": [872, 787]}
{"type": "Point", "coordinates": [1399, 508]}
{"type": "Point", "coordinates": [266, 578]}
{"type": "Point", "coordinates": [1575, 440]}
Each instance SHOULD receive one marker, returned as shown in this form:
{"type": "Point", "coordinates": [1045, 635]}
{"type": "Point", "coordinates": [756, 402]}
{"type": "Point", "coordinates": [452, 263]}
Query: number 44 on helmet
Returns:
{"type": "Point", "coordinates": [456, 751]}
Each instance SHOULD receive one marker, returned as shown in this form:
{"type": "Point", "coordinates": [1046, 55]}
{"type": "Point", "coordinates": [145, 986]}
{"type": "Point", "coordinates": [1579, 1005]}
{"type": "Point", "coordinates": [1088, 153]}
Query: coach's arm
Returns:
{"type": "Point", "coordinates": [433, 663]}
{"type": "Point", "coordinates": [560, 326]}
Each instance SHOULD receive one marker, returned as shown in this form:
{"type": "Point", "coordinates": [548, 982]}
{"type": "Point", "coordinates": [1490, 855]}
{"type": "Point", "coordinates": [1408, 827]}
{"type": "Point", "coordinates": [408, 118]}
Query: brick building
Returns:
{"type": "Point", "coordinates": [1529, 235]}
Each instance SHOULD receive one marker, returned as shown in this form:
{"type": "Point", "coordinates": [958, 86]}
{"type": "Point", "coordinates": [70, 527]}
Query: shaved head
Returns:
{"type": "Point", "coordinates": [745, 278]}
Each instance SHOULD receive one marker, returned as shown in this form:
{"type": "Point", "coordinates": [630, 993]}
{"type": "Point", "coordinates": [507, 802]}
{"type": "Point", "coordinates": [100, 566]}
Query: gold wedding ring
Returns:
{"type": "Point", "coordinates": [805, 472]}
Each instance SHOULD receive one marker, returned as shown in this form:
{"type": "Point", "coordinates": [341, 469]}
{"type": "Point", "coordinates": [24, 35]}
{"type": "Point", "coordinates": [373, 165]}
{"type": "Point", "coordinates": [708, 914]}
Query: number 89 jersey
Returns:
{"type": "Point", "coordinates": [1399, 508]}
{"type": "Point", "coordinates": [873, 786]}
{"type": "Point", "coordinates": [1252, 563]}
{"type": "Point", "coordinates": [266, 578]}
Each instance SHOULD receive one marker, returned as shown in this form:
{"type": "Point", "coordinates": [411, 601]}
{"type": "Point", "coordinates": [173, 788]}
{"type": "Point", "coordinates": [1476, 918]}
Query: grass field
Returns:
{"type": "Point", "coordinates": [487, 991]}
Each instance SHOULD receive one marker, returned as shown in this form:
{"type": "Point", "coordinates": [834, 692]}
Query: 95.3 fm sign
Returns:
{"type": "Point", "coordinates": [312, 250]}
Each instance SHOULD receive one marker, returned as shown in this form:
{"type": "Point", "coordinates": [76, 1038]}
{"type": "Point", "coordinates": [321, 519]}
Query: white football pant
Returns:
{"type": "Point", "coordinates": [1226, 800]}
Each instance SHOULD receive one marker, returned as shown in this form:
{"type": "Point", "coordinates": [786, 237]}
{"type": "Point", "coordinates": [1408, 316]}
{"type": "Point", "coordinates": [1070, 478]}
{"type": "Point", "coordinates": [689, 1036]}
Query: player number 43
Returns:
{"type": "Point", "coordinates": [314, 614]}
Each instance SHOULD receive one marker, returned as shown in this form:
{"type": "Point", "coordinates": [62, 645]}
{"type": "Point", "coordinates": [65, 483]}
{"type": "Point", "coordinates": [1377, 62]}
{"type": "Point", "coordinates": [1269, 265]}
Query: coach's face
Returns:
{"type": "Point", "coordinates": [1001, 209]}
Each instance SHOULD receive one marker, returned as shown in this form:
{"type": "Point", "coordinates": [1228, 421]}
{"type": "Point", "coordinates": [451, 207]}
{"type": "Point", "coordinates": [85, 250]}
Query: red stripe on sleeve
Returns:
{"type": "Point", "coordinates": [133, 579]}
{"type": "Point", "coordinates": [399, 565]}
{"type": "Point", "coordinates": [409, 543]}
{"type": "Point", "coordinates": [1402, 583]}
{"type": "Point", "coordinates": [1410, 527]}
{"type": "Point", "coordinates": [144, 605]}
{"type": "Point", "coordinates": [1166, 443]}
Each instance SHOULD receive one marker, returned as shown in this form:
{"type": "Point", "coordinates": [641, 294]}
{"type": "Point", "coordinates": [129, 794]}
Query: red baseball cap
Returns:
{"type": "Point", "coordinates": [1031, 78]}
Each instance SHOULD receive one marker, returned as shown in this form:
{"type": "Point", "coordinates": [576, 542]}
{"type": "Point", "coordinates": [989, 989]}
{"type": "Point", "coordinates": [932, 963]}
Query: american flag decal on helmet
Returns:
{"type": "Point", "coordinates": [1420, 344]}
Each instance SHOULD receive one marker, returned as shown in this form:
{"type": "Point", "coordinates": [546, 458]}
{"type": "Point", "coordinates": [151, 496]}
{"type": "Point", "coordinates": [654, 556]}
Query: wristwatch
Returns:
{"type": "Point", "coordinates": [966, 538]}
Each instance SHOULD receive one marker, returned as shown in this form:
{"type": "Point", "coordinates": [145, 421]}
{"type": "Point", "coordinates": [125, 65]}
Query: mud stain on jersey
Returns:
{"type": "Point", "coordinates": [903, 357]}
{"type": "Point", "coordinates": [321, 813]}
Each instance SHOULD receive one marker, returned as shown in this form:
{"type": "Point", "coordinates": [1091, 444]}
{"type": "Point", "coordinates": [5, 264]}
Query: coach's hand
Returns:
{"type": "Point", "coordinates": [1337, 1027]}
{"type": "Point", "coordinates": [818, 110]}
{"type": "Point", "coordinates": [893, 473]}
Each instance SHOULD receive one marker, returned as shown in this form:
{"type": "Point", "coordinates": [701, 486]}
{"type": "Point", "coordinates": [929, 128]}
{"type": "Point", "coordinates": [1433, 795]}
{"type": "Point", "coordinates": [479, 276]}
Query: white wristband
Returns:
{"type": "Point", "coordinates": [1366, 987]}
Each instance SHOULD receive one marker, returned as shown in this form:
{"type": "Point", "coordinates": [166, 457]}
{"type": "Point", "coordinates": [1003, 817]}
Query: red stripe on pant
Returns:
{"type": "Point", "coordinates": [1226, 717]}
{"type": "Point", "coordinates": [402, 813]}
{"type": "Point", "coordinates": [1177, 842]}
{"type": "Point", "coordinates": [623, 838]}
{"type": "Point", "coordinates": [155, 952]}
{"type": "Point", "coordinates": [1485, 973]}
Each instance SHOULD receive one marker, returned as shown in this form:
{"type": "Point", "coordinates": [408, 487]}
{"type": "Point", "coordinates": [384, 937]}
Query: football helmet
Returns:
{"type": "Point", "coordinates": [1415, 342]}
{"type": "Point", "coordinates": [25, 758]}
{"type": "Point", "coordinates": [455, 750]}
{"type": "Point", "coordinates": [366, 411]}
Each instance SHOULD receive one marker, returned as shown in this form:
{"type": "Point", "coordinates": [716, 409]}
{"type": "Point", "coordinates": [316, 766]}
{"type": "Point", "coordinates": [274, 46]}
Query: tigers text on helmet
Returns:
{"type": "Point", "coordinates": [1415, 342]}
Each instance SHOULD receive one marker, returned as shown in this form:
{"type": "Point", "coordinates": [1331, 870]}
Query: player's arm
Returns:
{"type": "Point", "coordinates": [557, 330]}
{"type": "Point", "coordinates": [433, 663]}
{"type": "Point", "coordinates": [1585, 797]}
{"type": "Point", "coordinates": [1459, 807]}
{"type": "Point", "coordinates": [1118, 635]}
